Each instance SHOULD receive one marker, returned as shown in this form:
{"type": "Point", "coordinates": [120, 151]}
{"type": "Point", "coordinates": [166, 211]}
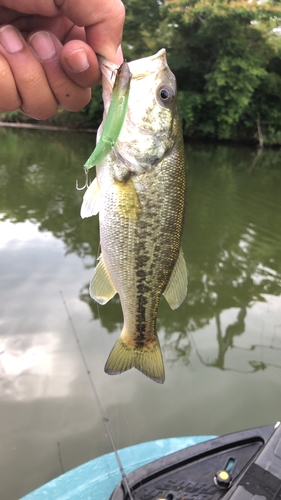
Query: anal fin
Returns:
{"type": "Point", "coordinates": [147, 359]}
{"type": "Point", "coordinates": [101, 287]}
{"type": "Point", "coordinates": [176, 288]}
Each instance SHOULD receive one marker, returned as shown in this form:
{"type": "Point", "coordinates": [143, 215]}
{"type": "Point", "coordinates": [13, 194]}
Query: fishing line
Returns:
{"type": "Point", "coordinates": [115, 393]}
{"type": "Point", "coordinates": [118, 397]}
{"type": "Point", "coordinates": [114, 381]}
{"type": "Point", "coordinates": [102, 337]}
{"type": "Point", "coordinates": [101, 409]}
{"type": "Point", "coordinates": [60, 458]}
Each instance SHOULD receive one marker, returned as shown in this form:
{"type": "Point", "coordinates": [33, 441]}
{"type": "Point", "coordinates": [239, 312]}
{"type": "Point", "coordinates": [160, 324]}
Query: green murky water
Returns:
{"type": "Point", "coordinates": [222, 347]}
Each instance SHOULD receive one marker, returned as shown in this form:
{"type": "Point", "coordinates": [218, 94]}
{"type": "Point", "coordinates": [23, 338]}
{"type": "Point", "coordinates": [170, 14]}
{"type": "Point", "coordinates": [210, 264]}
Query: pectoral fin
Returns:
{"type": "Point", "coordinates": [91, 200]}
{"type": "Point", "coordinates": [176, 288]}
{"type": "Point", "coordinates": [127, 199]}
{"type": "Point", "coordinates": [101, 287]}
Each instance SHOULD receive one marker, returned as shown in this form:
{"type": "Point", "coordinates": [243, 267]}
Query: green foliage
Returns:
{"type": "Point", "coordinates": [226, 59]}
{"type": "Point", "coordinates": [141, 36]}
{"type": "Point", "coordinates": [189, 105]}
{"type": "Point", "coordinates": [265, 106]}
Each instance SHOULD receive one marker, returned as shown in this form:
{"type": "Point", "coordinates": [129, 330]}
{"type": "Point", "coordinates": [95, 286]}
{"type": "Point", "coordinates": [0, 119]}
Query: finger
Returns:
{"type": "Point", "coordinates": [37, 98]}
{"type": "Point", "coordinates": [42, 7]}
{"type": "Point", "coordinates": [76, 33]}
{"type": "Point", "coordinates": [105, 37]}
{"type": "Point", "coordinates": [70, 95]}
{"type": "Point", "coordinates": [9, 97]}
{"type": "Point", "coordinates": [103, 20]}
{"type": "Point", "coordinates": [80, 63]}
{"type": "Point", "coordinates": [59, 25]}
{"type": "Point", "coordinates": [7, 16]}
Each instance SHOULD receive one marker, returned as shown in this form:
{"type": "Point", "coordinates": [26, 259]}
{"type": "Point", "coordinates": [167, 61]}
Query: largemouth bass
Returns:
{"type": "Point", "coordinates": [139, 192]}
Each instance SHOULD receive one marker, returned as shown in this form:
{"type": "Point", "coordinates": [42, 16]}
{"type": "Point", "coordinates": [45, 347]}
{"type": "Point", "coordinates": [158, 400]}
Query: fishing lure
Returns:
{"type": "Point", "coordinates": [115, 116]}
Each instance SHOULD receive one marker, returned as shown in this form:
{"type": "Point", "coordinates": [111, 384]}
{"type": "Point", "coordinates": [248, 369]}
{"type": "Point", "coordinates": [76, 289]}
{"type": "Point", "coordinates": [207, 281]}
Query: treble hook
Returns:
{"type": "Point", "coordinates": [86, 185]}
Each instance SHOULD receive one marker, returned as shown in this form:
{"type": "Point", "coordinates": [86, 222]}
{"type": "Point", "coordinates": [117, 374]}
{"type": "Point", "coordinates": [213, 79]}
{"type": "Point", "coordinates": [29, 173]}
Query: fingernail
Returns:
{"type": "Point", "coordinates": [10, 39]}
{"type": "Point", "coordinates": [42, 44]}
{"type": "Point", "coordinates": [77, 60]}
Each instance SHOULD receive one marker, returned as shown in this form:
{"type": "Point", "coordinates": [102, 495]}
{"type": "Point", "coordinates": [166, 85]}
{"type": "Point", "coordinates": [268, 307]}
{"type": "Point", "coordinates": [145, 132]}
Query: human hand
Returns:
{"type": "Point", "coordinates": [48, 52]}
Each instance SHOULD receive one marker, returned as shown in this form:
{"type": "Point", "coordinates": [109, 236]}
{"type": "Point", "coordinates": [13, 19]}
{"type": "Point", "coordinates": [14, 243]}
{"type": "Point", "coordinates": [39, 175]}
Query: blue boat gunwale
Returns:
{"type": "Point", "coordinates": [96, 479]}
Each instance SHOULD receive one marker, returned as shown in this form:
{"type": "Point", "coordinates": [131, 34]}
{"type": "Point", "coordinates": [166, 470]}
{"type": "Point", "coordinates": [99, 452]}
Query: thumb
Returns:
{"type": "Point", "coordinates": [103, 20]}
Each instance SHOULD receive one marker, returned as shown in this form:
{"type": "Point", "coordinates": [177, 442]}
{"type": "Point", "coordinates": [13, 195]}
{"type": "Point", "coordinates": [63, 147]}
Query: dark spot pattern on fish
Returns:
{"type": "Point", "coordinates": [145, 266]}
{"type": "Point", "coordinates": [142, 288]}
{"type": "Point", "coordinates": [142, 260]}
{"type": "Point", "coordinates": [141, 273]}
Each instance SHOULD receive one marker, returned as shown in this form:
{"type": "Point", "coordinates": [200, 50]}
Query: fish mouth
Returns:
{"type": "Point", "coordinates": [108, 69]}
{"type": "Point", "coordinates": [139, 68]}
{"type": "Point", "coordinates": [148, 65]}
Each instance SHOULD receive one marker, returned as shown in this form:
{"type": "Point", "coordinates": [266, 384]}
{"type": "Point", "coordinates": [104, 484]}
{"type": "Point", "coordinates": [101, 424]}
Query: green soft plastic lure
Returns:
{"type": "Point", "coordinates": [115, 116]}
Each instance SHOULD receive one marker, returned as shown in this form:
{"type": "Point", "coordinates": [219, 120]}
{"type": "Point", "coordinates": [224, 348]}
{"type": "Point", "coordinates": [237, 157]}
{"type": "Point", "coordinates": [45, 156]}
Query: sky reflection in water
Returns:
{"type": "Point", "coordinates": [221, 348]}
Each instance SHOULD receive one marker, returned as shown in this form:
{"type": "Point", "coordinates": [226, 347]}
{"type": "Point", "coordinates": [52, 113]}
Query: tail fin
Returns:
{"type": "Point", "coordinates": [147, 359]}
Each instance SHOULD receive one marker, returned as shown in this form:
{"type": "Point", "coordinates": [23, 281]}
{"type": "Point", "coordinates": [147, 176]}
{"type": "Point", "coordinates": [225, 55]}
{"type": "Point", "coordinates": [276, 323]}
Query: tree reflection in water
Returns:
{"type": "Point", "coordinates": [231, 242]}
{"type": "Point", "coordinates": [226, 341]}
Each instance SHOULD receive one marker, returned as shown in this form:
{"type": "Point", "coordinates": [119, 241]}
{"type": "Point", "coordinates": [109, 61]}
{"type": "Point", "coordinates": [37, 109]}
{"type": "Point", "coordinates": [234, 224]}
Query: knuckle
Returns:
{"type": "Point", "coordinates": [70, 96]}
{"type": "Point", "coordinates": [119, 14]}
{"type": "Point", "coordinates": [9, 107]}
{"type": "Point", "coordinates": [46, 114]}
{"type": "Point", "coordinates": [76, 101]}
{"type": "Point", "coordinates": [38, 99]}
{"type": "Point", "coordinates": [9, 100]}
{"type": "Point", "coordinates": [30, 80]}
{"type": "Point", "coordinates": [9, 97]}
{"type": "Point", "coordinates": [122, 11]}
{"type": "Point", "coordinates": [40, 112]}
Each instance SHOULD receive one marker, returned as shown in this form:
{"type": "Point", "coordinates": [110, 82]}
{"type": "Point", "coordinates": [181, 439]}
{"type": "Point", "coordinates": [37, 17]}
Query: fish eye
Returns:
{"type": "Point", "coordinates": [165, 94]}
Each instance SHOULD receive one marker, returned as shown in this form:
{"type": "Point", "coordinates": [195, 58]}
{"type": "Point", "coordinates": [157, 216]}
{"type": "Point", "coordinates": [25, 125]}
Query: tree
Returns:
{"type": "Point", "coordinates": [222, 55]}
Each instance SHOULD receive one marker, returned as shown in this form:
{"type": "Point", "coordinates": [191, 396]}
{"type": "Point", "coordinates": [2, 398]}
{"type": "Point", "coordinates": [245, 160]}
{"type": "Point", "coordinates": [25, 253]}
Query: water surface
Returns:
{"type": "Point", "coordinates": [221, 348]}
